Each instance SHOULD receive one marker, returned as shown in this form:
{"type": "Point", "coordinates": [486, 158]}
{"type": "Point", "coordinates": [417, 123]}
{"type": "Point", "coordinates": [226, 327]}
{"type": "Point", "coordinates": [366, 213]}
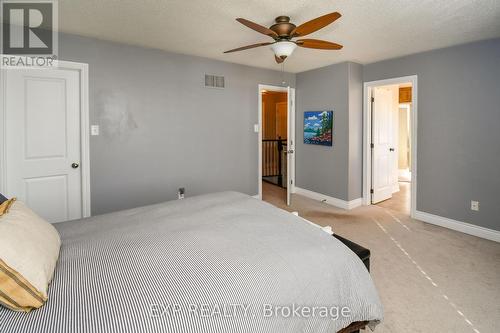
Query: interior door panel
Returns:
{"type": "Point", "coordinates": [382, 170]}
{"type": "Point", "coordinates": [43, 141]}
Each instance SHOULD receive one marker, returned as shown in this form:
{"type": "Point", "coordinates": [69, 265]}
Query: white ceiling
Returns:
{"type": "Point", "coordinates": [370, 30]}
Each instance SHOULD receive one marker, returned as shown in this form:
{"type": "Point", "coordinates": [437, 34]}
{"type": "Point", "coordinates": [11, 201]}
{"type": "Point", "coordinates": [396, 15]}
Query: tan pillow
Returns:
{"type": "Point", "coordinates": [5, 206]}
{"type": "Point", "coordinates": [29, 248]}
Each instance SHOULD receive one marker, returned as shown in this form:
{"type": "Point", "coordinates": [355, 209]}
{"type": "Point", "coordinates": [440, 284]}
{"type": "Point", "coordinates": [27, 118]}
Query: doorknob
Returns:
{"type": "Point", "coordinates": [75, 165]}
{"type": "Point", "coordinates": [289, 151]}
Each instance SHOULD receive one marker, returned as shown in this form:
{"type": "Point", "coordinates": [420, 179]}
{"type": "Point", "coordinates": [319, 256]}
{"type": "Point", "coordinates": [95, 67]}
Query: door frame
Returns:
{"type": "Point", "coordinates": [83, 70]}
{"type": "Point", "coordinates": [367, 126]}
{"type": "Point", "coordinates": [259, 136]}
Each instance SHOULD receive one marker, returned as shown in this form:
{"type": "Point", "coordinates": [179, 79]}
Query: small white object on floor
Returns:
{"type": "Point", "coordinates": [326, 229]}
{"type": "Point", "coordinates": [404, 175]}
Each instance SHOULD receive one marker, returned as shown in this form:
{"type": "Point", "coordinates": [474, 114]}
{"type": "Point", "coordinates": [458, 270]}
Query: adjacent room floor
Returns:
{"type": "Point", "coordinates": [430, 279]}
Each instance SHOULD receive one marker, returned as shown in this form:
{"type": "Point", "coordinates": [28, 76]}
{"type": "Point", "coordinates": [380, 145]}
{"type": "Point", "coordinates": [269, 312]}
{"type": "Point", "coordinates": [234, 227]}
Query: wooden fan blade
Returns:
{"type": "Point", "coordinates": [248, 47]}
{"type": "Point", "coordinates": [278, 59]}
{"type": "Point", "coordinates": [318, 44]}
{"type": "Point", "coordinates": [315, 25]}
{"type": "Point", "coordinates": [258, 27]}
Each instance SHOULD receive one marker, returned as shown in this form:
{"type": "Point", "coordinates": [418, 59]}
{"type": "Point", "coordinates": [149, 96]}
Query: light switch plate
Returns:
{"type": "Point", "coordinates": [94, 130]}
{"type": "Point", "coordinates": [256, 128]}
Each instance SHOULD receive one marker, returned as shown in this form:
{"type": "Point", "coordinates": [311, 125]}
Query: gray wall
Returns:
{"type": "Point", "coordinates": [333, 171]}
{"type": "Point", "coordinates": [355, 131]}
{"type": "Point", "coordinates": [319, 168]}
{"type": "Point", "coordinates": [458, 128]}
{"type": "Point", "coordinates": [161, 129]}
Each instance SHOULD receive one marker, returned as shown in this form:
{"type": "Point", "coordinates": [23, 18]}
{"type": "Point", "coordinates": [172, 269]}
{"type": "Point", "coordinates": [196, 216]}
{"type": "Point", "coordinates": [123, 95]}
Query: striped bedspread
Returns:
{"type": "Point", "coordinates": [223, 262]}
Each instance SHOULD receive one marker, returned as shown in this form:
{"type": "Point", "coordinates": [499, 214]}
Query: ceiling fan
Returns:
{"type": "Point", "coordinates": [283, 31]}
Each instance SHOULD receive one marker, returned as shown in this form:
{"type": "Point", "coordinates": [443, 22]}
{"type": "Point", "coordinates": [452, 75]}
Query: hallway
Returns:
{"type": "Point", "coordinates": [400, 201]}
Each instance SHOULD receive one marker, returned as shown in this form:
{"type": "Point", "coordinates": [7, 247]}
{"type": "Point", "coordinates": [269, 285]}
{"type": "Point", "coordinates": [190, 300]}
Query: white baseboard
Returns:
{"type": "Point", "coordinates": [464, 227]}
{"type": "Point", "coordinates": [329, 200]}
{"type": "Point", "coordinates": [354, 203]}
{"type": "Point", "coordinates": [256, 196]}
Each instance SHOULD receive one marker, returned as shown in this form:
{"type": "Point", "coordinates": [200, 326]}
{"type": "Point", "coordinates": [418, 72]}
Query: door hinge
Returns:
{"type": "Point", "coordinates": [371, 191]}
{"type": "Point", "coordinates": [291, 181]}
{"type": "Point", "coordinates": [372, 145]}
{"type": "Point", "coordinates": [373, 99]}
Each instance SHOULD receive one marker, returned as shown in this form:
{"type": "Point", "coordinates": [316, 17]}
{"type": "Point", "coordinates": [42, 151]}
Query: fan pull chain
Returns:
{"type": "Point", "coordinates": [283, 82]}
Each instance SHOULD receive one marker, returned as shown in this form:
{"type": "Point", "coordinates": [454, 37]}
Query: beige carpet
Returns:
{"type": "Point", "coordinates": [430, 279]}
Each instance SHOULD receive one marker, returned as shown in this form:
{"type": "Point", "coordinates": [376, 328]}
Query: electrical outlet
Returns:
{"type": "Point", "coordinates": [474, 205]}
{"type": "Point", "coordinates": [180, 193]}
{"type": "Point", "coordinates": [94, 130]}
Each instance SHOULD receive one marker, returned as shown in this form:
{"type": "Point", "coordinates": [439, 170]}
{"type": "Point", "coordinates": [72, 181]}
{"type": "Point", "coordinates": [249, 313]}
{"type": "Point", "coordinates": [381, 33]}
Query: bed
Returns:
{"type": "Point", "coordinates": [223, 262]}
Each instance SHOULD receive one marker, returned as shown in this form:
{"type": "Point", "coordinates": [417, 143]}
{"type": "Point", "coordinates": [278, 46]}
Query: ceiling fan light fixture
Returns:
{"type": "Point", "coordinates": [283, 31]}
{"type": "Point", "coordinates": [283, 49]}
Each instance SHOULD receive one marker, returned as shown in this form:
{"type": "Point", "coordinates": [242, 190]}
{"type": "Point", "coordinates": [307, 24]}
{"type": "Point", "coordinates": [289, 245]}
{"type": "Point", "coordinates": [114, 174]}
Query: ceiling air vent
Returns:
{"type": "Point", "coordinates": [214, 81]}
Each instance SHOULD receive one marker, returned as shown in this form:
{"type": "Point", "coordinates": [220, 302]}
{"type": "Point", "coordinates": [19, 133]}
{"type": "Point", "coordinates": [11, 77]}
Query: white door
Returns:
{"type": "Point", "coordinates": [382, 140]}
{"type": "Point", "coordinates": [43, 148]}
{"type": "Point", "coordinates": [290, 143]}
{"type": "Point", "coordinates": [394, 127]}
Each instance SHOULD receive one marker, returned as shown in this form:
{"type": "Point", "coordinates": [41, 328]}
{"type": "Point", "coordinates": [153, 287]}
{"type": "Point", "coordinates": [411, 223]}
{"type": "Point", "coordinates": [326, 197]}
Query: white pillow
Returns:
{"type": "Point", "coordinates": [29, 249]}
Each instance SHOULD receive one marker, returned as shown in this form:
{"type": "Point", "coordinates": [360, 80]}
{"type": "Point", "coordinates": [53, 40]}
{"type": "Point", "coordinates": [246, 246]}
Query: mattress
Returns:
{"type": "Point", "coordinates": [223, 262]}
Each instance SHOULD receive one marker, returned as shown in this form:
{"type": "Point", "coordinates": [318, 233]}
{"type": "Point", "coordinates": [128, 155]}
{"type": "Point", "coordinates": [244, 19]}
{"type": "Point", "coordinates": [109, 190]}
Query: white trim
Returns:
{"type": "Point", "coordinates": [339, 203]}
{"type": "Point", "coordinates": [256, 197]}
{"type": "Point", "coordinates": [351, 204]}
{"type": "Point", "coordinates": [367, 94]}
{"type": "Point", "coordinates": [259, 136]}
{"type": "Point", "coordinates": [85, 137]}
{"type": "Point", "coordinates": [84, 130]}
{"type": "Point", "coordinates": [291, 144]}
{"type": "Point", "coordinates": [3, 134]}
{"type": "Point", "coordinates": [467, 228]}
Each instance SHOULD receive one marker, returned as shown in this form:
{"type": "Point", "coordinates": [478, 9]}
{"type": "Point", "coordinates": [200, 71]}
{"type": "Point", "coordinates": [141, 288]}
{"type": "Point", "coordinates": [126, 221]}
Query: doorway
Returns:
{"type": "Point", "coordinates": [44, 157]}
{"type": "Point", "coordinates": [390, 122]}
{"type": "Point", "coordinates": [276, 142]}
{"type": "Point", "coordinates": [274, 137]}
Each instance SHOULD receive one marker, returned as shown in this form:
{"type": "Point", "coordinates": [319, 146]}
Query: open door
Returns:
{"type": "Point", "coordinates": [290, 165]}
{"type": "Point", "coordinates": [382, 140]}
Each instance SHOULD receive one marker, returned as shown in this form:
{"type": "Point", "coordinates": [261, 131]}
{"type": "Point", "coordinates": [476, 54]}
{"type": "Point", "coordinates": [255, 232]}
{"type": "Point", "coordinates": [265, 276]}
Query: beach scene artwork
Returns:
{"type": "Point", "coordinates": [318, 127]}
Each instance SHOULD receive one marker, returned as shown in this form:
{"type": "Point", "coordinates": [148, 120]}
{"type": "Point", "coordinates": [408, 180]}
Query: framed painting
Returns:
{"type": "Point", "coordinates": [318, 128]}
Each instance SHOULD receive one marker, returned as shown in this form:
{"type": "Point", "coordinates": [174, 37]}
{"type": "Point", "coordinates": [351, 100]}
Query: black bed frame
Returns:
{"type": "Point", "coordinates": [364, 255]}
